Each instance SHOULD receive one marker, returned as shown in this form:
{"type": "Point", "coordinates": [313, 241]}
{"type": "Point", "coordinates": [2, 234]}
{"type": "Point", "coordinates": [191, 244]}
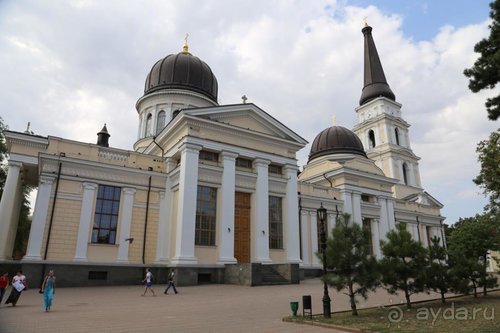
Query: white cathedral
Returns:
{"type": "Point", "coordinates": [212, 191]}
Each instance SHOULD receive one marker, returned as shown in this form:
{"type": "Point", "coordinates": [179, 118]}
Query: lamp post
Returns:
{"type": "Point", "coordinates": [321, 211]}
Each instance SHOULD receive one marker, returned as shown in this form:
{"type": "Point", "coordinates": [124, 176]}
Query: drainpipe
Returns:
{"type": "Point", "coordinates": [146, 223]}
{"type": "Point", "coordinates": [156, 143]}
{"type": "Point", "coordinates": [418, 229]}
{"type": "Point", "coordinates": [51, 220]}
{"type": "Point", "coordinates": [300, 225]}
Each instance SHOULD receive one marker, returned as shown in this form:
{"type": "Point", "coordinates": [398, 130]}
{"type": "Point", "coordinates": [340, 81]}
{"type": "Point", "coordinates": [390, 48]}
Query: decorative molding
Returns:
{"type": "Point", "coordinates": [113, 155]}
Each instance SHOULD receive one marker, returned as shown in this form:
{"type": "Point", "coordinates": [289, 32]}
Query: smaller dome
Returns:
{"type": "Point", "coordinates": [336, 140]}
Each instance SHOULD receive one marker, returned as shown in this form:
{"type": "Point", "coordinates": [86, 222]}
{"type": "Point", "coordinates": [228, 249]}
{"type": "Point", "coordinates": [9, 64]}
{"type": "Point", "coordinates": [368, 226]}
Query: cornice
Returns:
{"type": "Point", "coordinates": [165, 92]}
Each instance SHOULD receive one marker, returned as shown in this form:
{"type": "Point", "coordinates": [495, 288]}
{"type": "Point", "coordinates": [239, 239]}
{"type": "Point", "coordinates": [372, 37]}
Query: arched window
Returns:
{"type": "Point", "coordinates": [371, 138]}
{"type": "Point", "coordinates": [160, 121]}
{"type": "Point", "coordinates": [149, 121]}
{"type": "Point", "coordinates": [396, 134]}
{"type": "Point", "coordinates": [405, 173]}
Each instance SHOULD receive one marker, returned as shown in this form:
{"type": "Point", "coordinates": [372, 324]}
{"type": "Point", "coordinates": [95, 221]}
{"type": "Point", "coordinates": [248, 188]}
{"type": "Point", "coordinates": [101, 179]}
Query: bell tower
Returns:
{"type": "Point", "coordinates": [381, 128]}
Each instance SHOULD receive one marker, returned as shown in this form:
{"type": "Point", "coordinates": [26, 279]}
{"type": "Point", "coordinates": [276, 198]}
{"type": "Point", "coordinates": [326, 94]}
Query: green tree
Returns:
{"type": "Point", "coordinates": [468, 247]}
{"type": "Point", "coordinates": [489, 176]}
{"type": "Point", "coordinates": [349, 259]}
{"type": "Point", "coordinates": [403, 264]}
{"type": "Point", "coordinates": [486, 70]}
{"type": "Point", "coordinates": [438, 276]}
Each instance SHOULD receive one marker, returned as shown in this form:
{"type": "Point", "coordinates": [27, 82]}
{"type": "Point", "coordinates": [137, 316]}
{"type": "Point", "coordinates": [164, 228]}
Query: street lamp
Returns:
{"type": "Point", "coordinates": [321, 211]}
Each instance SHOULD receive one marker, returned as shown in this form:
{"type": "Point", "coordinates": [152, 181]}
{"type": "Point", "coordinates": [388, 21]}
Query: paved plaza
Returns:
{"type": "Point", "coordinates": [205, 308]}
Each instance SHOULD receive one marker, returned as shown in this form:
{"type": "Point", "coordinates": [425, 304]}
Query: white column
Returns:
{"type": "Point", "coordinates": [374, 225]}
{"type": "Point", "coordinates": [261, 229]}
{"type": "Point", "coordinates": [391, 168]}
{"type": "Point", "coordinates": [416, 233]}
{"type": "Point", "coordinates": [165, 220]}
{"type": "Point", "coordinates": [162, 241]}
{"type": "Point", "coordinates": [226, 241]}
{"type": "Point", "coordinates": [142, 125]}
{"type": "Point", "coordinates": [348, 204]}
{"type": "Point", "coordinates": [291, 208]}
{"type": "Point", "coordinates": [412, 177]}
{"type": "Point", "coordinates": [85, 221]}
{"type": "Point", "coordinates": [186, 206]}
{"type": "Point", "coordinates": [314, 239]}
{"type": "Point", "coordinates": [304, 219]}
{"type": "Point", "coordinates": [332, 221]}
{"type": "Point", "coordinates": [34, 250]}
{"type": "Point", "coordinates": [390, 214]}
{"type": "Point", "coordinates": [125, 223]}
{"type": "Point", "coordinates": [8, 213]}
{"type": "Point", "coordinates": [356, 208]}
{"type": "Point", "coordinates": [383, 225]}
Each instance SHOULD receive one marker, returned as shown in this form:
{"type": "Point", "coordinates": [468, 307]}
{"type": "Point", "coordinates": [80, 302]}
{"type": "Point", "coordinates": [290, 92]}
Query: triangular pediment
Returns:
{"type": "Point", "coordinates": [423, 198]}
{"type": "Point", "coordinates": [247, 117]}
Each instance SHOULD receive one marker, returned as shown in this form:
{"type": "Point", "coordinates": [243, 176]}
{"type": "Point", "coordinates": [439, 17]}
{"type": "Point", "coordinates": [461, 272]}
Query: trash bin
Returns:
{"type": "Point", "coordinates": [294, 306]}
{"type": "Point", "coordinates": [306, 305]}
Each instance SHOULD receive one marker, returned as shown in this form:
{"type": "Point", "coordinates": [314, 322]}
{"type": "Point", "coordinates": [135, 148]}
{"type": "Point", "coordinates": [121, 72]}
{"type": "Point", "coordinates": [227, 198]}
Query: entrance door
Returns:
{"type": "Point", "coordinates": [242, 227]}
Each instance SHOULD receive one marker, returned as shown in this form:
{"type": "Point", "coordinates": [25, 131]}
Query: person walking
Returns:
{"type": "Point", "coordinates": [48, 289]}
{"type": "Point", "coordinates": [171, 283]}
{"type": "Point", "coordinates": [18, 285]}
{"type": "Point", "coordinates": [4, 282]}
{"type": "Point", "coordinates": [149, 282]}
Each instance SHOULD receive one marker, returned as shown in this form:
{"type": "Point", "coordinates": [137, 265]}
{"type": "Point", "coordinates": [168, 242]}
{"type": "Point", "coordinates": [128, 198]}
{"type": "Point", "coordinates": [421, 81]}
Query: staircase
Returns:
{"type": "Point", "coordinates": [271, 277]}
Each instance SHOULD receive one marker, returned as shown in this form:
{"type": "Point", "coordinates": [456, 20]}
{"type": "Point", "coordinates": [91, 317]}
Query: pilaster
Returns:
{"type": "Point", "coordinates": [374, 224]}
{"type": "Point", "coordinates": [125, 224]}
{"type": "Point", "coordinates": [305, 238]}
{"type": "Point", "coordinates": [356, 207]}
{"type": "Point", "coordinates": [314, 239]}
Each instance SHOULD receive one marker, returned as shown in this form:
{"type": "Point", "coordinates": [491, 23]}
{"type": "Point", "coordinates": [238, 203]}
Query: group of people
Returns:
{"type": "Point", "coordinates": [148, 282]}
{"type": "Point", "coordinates": [19, 284]}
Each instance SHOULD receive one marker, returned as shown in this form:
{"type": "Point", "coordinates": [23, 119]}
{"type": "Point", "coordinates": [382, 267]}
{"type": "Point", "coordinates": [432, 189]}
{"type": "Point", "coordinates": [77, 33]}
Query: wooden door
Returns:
{"type": "Point", "coordinates": [242, 227]}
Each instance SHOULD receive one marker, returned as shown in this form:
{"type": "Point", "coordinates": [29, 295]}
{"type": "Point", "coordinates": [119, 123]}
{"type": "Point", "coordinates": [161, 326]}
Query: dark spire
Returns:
{"type": "Point", "coordinates": [375, 84]}
{"type": "Point", "coordinates": [103, 137]}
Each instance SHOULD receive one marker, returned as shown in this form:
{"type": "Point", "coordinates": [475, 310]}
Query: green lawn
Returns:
{"type": "Point", "coordinates": [464, 314]}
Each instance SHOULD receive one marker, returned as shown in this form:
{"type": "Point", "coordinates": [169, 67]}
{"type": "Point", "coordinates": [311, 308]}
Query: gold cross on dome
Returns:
{"type": "Point", "coordinates": [185, 47]}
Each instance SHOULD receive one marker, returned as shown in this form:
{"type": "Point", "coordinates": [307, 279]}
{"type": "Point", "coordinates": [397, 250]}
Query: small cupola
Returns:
{"type": "Point", "coordinates": [103, 137]}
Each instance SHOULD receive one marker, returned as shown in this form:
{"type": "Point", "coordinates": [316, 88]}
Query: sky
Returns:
{"type": "Point", "coordinates": [68, 67]}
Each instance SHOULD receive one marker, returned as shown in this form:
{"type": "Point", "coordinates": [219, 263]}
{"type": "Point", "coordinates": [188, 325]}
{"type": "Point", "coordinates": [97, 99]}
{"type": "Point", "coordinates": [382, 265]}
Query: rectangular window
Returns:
{"type": "Point", "coordinates": [275, 223]}
{"type": "Point", "coordinates": [206, 213]}
{"type": "Point", "coordinates": [243, 163]}
{"type": "Point", "coordinates": [367, 224]}
{"type": "Point", "coordinates": [209, 156]}
{"type": "Point", "coordinates": [106, 214]}
{"type": "Point", "coordinates": [365, 198]}
{"type": "Point", "coordinates": [275, 169]}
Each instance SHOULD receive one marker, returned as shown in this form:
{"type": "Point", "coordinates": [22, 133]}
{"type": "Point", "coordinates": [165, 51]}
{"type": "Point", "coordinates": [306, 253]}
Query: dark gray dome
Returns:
{"type": "Point", "coordinates": [336, 140]}
{"type": "Point", "coordinates": [182, 71]}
